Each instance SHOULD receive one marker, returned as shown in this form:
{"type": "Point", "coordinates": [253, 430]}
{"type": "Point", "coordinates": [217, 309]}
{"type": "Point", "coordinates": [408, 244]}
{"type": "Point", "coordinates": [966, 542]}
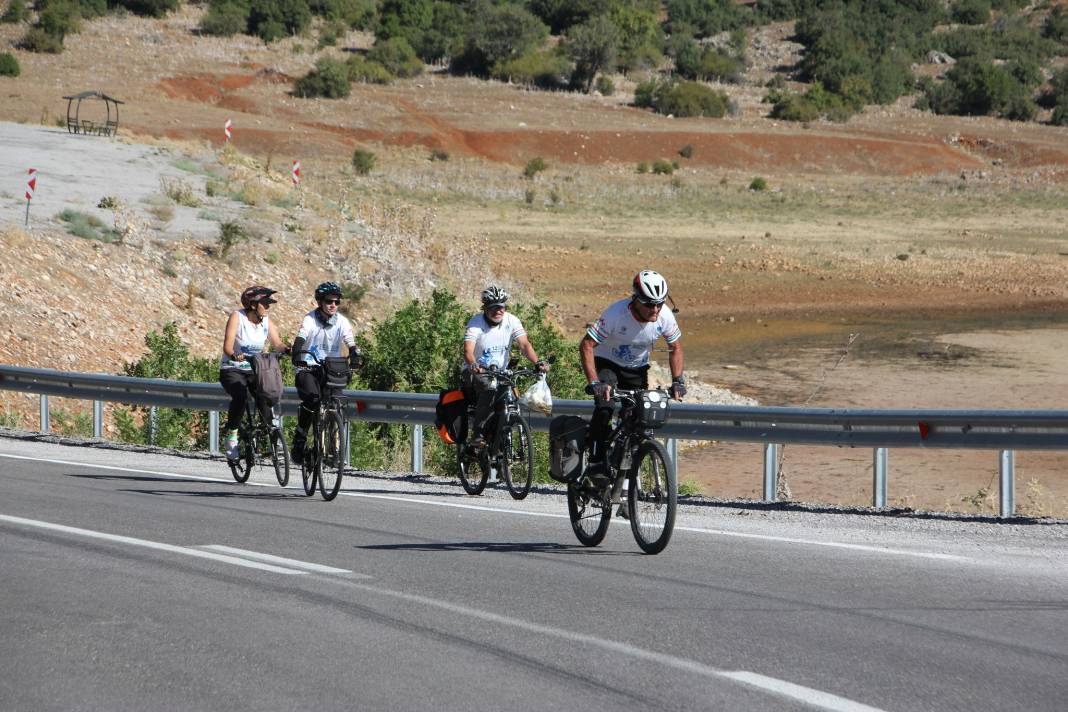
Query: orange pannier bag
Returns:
{"type": "Point", "coordinates": [450, 416]}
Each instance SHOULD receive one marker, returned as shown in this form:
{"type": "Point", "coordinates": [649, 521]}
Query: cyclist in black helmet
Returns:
{"type": "Point", "coordinates": [323, 332]}
{"type": "Point", "coordinates": [615, 351]}
{"type": "Point", "coordinates": [248, 332]}
{"type": "Point", "coordinates": [488, 342]}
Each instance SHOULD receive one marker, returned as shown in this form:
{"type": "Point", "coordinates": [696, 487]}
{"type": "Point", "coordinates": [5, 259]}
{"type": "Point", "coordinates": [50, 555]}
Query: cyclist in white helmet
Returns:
{"type": "Point", "coordinates": [322, 332]}
{"type": "Point", "coordinates": [488, 341]}
{"type": "Point", "coordinates": [615, 351]}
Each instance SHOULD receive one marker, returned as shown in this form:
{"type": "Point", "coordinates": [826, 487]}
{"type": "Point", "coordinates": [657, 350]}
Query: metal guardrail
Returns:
{"type": "Point", "coordinates": [1001, 430]}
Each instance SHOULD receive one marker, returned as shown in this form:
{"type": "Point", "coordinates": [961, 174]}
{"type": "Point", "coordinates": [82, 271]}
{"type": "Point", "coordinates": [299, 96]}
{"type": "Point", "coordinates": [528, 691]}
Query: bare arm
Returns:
{"type": "Point", "coordinates": [275, 339]}
{"type": "Point", "coordinates": [228, 339]}
{"type": "Point", "coordinates": [527, 349]}
{"type": "Point", "coordinates": [586, 347]}
{"type": "Point", "coordinates": [675, 359]}
{"type": "Point", "coordinates": [469, 356]}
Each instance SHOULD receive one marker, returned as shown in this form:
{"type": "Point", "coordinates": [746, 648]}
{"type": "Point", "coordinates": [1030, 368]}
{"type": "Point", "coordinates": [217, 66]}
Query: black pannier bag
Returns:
{"type": "Point", "coordinates": [337, 371]}
{"type": "Point", "coordinates": [450, 416]}
{"type": "Point", "coordinates": [567, 439]}
{"type": "Point", "coordinates": [652, 408]}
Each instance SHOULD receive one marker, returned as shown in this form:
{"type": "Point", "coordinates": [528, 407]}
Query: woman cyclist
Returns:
{"type": "Point", "coordinates": [247, 332]}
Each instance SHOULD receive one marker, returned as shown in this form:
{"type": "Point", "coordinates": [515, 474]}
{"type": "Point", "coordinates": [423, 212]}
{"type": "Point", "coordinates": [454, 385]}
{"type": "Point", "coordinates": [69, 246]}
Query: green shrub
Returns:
{"type": "Point", "coordinates": [604, 86]}
{"type": "Point", "coordinates": [592, 46]}
{"type": "Point", "coordinates": [147, 8]}
{"type": "Point", "coordinates": [978, 88]}
{"type": "Point", "coordinates": [534, 166]}
{"type": "Point", "coordinates": [37, 40]}
{"type": "Point", "coordinates": [502, 32]}
{"type": "Point", "coordinates": [663, 167]}
{"type": "Point", "coordinates": [225, 19]}
{"type": "Point", "coordinates": [364, 72]}
{"type": "Point", "coordinates": [69, 423]}
{"type": "Point", "coordinates": [971, 12]}
{"type": "Point", "coordinates": [397, 56]}
{"type": "Point", "coordinates": [1056, 25]}
{"type": "Point", "coordinates": [231, 234]}
{"type": "Point", "coordinates": [758, 184]}
{"type": "Point", "coordinates": [546, 69]}
{"type": "Point", "coordinates": [686, 151]}
{"type": "Point", "coordinates": [439, 154]}
{"type": "Point", "coordinates": [643, 167]}
{"type": "Point", "coordinates": [329, 79]}
{"type": "Point", "coordinates": [363, 161]}
{"type": "Point", "coordinates": [718, 66]}
{"type": "Point", "coordinates": [87, 226]}
{"type": "Point", "coordinates": [357, 14]}
{"type": "Point", "coordinates": [273, 19]}
{"type": "Point", "coordinates": [1060, 115]}
{"type": "Point", "coordinates": [328, 34]}
{"type": "Point", "coordinates": [644, 93]}
{"type": "Point", "coordinates": [16, 12]}
{"type": "Point", "coordinates": [689, 99]}
{"type": "Point", "coordinates": [168, 358]}
{"type": "Point", "coordinates": [9, 66]}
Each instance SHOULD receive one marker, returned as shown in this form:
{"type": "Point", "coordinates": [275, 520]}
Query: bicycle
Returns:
{"type": "Point", "coordinates": [324, 449]}
{"type": "Point", "coordinates": [632, 455]}
{"type": "Point", "coordinates": [510, 449]}
{"type": "Point", "coordinates": [258, 442]}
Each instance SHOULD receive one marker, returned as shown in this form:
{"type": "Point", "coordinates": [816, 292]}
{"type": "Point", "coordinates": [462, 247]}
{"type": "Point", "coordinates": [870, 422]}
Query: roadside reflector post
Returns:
{"type": "Point", "coordinates": [152, 425]}
{"type": "Point", "coordinates": [1007, 469]}
{"type": "Point", "coordinates": [346, 445]}
{"type": "Point", "coordinates": [672, 446]}
{"type": "Point", "coordinates": [213, 432]}
{"type": "Point", "coordinates": [771, 471]}
{"type": "Point", "coordinates": [98, 419]}
{"type": "Point", "coordinates": [46, 423]}
{"type": "Point", "coordinates": [417, 448]}
{"type": "Point", "coordinates": [878, 467]}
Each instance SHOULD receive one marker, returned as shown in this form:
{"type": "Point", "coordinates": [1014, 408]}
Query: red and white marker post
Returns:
{"type": "Point", "coordinates": [31, 186]}
{"type": "Point", "coordinates": [228, 129]}
{"type": "Point", "coordinates": [296, 173]}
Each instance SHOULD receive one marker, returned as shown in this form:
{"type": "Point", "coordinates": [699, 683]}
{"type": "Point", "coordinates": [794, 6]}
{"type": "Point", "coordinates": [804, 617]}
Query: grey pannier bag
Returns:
{"type": "Point", "coordinates": [567, 440]}
{"type": "Point", "coordinates": [268, 378]}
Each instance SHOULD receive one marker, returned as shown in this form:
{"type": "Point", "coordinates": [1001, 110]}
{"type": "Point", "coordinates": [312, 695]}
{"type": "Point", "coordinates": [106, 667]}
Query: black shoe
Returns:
{"type": "Point", "coordinates": [597, 474]}
{"type": "Point", "coordinates": [477, 444]}
{"type": "Point", "coordinates": [296, 453]}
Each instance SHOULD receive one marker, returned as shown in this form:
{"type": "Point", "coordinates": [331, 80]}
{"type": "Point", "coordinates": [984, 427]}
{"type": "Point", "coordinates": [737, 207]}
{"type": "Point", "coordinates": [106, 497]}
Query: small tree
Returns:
{"type": "Point", "coordinates": [363, 161]}
{"type": "Point", "coordinates": [9, 66]}
{"type": "Point", "coordinates": [225, 19]}
{"type": "Point", "coordinates": [397, 56]}
{"type": "Point", "coordinates": [329, 79]}
{"type": "Point", "coordinates": [534, 166]}
{"type": "Point", "coordinates": [593, 46]}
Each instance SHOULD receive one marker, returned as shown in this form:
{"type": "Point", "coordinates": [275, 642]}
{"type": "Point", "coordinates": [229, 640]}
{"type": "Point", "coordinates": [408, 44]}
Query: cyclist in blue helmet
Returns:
{"type": "Point", "coordinates": [323, 332]}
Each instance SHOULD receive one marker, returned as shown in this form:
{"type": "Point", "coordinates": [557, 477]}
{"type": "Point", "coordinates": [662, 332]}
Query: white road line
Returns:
{"type": "Point", "coordinates": [501, 510]}
{"type": "Point", "coordinates": [807, 695]}
{"type": "Point", "coordinates": [282, 561]}
{"type": "Point", "coordinates": [834, 544]}
{"type": "Point", "coordinates": [159, 546]}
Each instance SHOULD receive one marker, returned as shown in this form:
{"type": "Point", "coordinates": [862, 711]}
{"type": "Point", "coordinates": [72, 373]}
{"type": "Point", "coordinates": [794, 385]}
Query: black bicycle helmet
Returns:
{"type": "Point", "coordinates": [327, 288]}
{"type": "Point", "coordinates": [257, 293]}
{"type": "Point", "coordinates": [650, 287]}
{"type": "Point", "coordinates": [494, 295]}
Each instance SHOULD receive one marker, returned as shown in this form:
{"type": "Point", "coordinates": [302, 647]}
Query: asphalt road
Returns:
{"type": "Point", "coordinates": [142, 581]}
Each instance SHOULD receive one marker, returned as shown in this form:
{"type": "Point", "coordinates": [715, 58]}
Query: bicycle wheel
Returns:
{"type": "Point", "coordinates": [589, 513]}
{"type": "Point", "coordinates": [652, 497]}
{"type": "Point", "coordinates": [241, 468]}
{"type": "Point", "coordinates": [279, 455]}
{"type": "Point", "coordinates": [517, 460]}
{"type": "Point", "coordinates": [310, 462]}
{"type": "Point", "coordinates": [473, 471]}
{"type": "Point", "coordinates": [333, 461]}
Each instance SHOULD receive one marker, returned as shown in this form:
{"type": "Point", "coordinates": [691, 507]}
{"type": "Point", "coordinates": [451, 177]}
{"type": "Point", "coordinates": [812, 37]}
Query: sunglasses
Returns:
{"type": "Point", "coordinates": [651, 305]}
{"type": "Point", "coordinates": [331, 301]}
{"type": "Point", "coordinates": [496, 307]}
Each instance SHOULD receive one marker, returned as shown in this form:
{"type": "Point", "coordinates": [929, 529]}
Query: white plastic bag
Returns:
{"type": "Point", "coordinates": [538, 397]}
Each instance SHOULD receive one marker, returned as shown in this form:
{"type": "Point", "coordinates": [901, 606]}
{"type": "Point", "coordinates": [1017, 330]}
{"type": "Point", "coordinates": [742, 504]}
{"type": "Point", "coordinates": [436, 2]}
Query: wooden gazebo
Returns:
{"type": "Point", "coordinates": [76, 124]}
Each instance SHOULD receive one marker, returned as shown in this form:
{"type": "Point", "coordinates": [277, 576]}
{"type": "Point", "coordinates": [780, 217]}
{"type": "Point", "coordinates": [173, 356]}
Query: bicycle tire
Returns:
{"type": "Point", "coordinates": [517, 460]}
{"type": "Point", "coordinates": [279, 456]}
{"type": "Point", "coordinates": [332, 463]}
{"type": "Point", "coordinates": [469, 463]}
{"type": "Point", "coordinates": [652, 497]}
{"type": "Point", "coordinates": [589, 525]}
{"type": "Point", "coordinates": [241, 468]}
{"type": "Point", "coordinates": [308, 462]}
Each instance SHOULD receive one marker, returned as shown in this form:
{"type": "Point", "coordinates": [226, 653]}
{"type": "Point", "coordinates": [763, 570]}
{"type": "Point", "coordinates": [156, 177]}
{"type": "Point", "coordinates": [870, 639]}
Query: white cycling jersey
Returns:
{"type": "Point", "coordinates": [493, 343]}
{"type": "Point", "coordinates": [627, 342]}
{"type": "Point", "coordinates": [249, 340]}
{"type": "Point", "coordinates": [324, 338]}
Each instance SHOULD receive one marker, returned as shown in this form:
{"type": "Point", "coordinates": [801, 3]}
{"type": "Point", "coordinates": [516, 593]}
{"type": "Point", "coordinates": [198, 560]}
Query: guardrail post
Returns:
{"type": "Point", "coordinates": [878, 489]}
{"type": "Point", "coordinates": [417, 448]}
{"type": "Point", "coordinates": [98, 419]}
{"type": "Point", "coordinates": [1008, 483]}
{"type": "Point", "coordinates": [346, 448]}
{"type": "Point", "coordinates": [771, 471]}
{"type": "Point", "coordinates": [672, 446]}
{"type": "Point", "coordinates": [152, 425]}
{"type": "Point", "coordinates": [46, 422]}
{"type": "Point", "coordinates": [213, 432]}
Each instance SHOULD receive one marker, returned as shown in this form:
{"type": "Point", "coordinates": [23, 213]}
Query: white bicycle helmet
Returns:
{"type": "Point", "coordinates": [494, 295]}
{"type": "Point", "coordinates": [650, 287]}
